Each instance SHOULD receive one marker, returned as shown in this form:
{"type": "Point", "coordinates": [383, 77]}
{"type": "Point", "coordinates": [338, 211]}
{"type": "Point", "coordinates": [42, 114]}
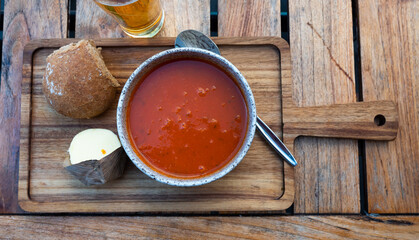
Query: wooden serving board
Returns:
{"type": "Point", "coordinates": [261, 182]}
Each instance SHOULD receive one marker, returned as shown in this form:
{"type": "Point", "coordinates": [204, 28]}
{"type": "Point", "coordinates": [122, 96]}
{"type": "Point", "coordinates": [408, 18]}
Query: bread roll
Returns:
{"type": "Point", "coordinates": [77, 83]}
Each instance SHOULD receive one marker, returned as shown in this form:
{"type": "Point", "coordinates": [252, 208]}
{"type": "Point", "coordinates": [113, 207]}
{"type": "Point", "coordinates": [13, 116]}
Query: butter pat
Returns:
{"type": "Point", "coordinates": [96, 157]}
{"type": "Point", "coordinates": [92, 144]}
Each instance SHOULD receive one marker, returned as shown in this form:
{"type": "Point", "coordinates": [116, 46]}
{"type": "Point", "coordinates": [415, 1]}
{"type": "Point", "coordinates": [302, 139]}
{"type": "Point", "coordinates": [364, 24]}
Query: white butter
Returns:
{"type": "Point", "coordinates": [92, 144]}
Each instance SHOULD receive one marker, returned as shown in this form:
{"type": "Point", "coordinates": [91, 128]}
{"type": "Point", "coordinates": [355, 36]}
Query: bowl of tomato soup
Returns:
{"type": "Point", "coordinates": [186, 117]}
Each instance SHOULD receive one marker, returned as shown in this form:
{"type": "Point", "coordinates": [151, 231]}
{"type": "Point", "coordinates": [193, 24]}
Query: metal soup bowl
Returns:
{"type": "Point", "coordinates": [151, 64]}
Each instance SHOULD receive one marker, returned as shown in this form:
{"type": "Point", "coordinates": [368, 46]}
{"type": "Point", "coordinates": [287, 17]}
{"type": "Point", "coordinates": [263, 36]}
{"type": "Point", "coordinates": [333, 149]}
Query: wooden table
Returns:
{"type": "Point", "coordinates": [332, 63]}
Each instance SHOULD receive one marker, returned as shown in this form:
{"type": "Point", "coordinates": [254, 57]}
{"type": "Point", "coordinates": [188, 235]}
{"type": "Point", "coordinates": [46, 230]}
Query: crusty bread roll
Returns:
{"type": "Point", "coordinates": [77, 83]}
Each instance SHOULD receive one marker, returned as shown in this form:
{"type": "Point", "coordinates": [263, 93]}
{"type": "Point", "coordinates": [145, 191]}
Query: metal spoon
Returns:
{"type": "Point", "coordinates": [195, 39]}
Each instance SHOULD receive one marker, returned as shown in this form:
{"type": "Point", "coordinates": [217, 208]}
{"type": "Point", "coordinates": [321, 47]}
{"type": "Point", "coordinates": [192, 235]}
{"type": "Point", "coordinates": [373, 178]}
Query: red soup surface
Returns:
{"type": "Point", "coordinates": [187, 119]}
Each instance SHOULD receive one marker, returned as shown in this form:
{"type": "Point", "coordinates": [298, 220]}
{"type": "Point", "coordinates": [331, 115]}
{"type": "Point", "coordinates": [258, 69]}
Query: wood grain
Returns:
{"type": "Point", "coordinates": [285, 227]}
{"type": "Point", "coordinates": [239, 18]}
{"type": "Point", "coordinates": [259, 183]}
{"type": "Point", "coordinates": [23, 20]}
{"type": "Point", "coordinates": [327, 179]}
{"type": "Point", "coordinates": [93, 22]}
{"type": "Point", "coordinates": [389, 38]}
{"type": "Point", "coordinates": [181, 15]}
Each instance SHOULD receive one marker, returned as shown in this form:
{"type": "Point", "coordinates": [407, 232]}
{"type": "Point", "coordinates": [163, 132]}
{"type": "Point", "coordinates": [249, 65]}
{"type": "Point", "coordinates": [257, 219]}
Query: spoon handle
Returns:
{"type": "Point", "coordinates": [275, 142]}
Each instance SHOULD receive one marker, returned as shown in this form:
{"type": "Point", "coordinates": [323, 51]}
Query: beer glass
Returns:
{"type": "Point", "coordinates": [138, 18]}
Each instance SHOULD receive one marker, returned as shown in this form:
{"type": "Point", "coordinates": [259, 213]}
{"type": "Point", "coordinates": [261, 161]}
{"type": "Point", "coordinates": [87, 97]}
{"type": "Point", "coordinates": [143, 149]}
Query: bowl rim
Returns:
{"type": "Point", "coordinates": [132, 82]}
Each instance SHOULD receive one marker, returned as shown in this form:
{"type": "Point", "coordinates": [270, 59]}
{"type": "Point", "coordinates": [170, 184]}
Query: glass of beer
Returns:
{"type": "Point", "coordinates": [138, 18]}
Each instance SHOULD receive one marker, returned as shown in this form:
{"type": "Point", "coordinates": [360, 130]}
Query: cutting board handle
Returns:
{"type": "Point", "coordinates": [376, 120]}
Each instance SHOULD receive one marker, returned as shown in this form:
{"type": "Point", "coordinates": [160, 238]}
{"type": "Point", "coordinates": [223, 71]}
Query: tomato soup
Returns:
{"type": "Point", "coordinates": [187, 119]}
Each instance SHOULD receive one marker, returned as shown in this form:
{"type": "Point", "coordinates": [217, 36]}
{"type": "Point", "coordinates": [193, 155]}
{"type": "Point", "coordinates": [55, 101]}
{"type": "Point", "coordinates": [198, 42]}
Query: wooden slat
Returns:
{"type": "Point", "coordinates": [93, 22]}
{"type": "Point", "coordinates": [389, 37]}
{"type": "Point", "coordinates": [237, 18]}
{"type": "Point", "coordinates": [23, 20]}
{"type": "Point", "coordinates": [327, 178]}
{"type": "Point", "coordinates": [185, 14]}
{"type": "Point", "coordinates": [301, 227]}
